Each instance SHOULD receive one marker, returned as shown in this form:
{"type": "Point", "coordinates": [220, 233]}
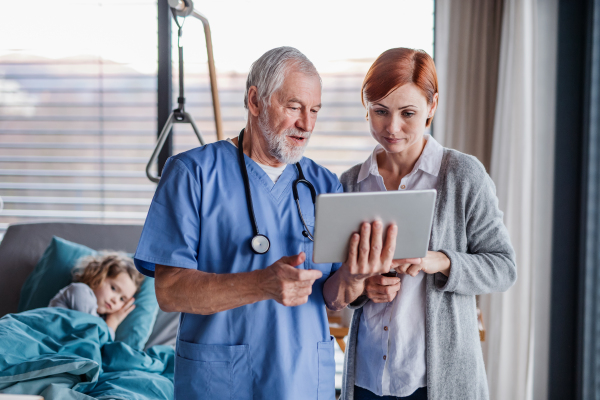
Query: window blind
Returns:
{"type": "Point", "coordinates": [76, 125]}
{"type": "Point", "coordinates": [77, 129]}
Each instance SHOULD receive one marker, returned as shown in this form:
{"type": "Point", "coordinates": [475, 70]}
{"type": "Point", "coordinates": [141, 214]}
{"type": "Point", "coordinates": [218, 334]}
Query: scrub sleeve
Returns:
{"type": "Point", "coordinates": [172, 229]}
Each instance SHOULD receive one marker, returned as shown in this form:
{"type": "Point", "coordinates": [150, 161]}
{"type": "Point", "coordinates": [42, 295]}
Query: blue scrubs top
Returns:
{"type": "Point", "coordinates": [199, 219]}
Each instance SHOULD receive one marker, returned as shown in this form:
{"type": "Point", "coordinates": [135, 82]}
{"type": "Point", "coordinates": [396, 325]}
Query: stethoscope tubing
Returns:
{"type": "Point", "coordinates": [258, 237]}
{"type": "Point", "coordinates": [246, 183]}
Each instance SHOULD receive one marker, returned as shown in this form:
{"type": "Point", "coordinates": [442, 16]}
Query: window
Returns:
{"type": "Point", "coordinates": [77, 111]}
{"type": "Point", "coordinates": [78, 102]}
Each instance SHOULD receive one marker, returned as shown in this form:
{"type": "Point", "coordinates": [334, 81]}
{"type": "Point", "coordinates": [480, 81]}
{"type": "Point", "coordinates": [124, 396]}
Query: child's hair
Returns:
{"type": "Point", "coordinates": [93, 270]}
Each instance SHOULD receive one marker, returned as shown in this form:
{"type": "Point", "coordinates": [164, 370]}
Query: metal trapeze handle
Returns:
{"type": "Point", "coordinates": [184, 8]}
{"type": "Point", "coordinates": [176, 117]}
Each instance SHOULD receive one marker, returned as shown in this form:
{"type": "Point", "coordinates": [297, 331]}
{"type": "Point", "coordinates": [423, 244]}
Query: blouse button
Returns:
{"type": "Point", "coordinates": [384, 357]}
{"type": "Point", "coordinates": [385, 328]}
{"type": "Point", "coordinates": [403, 187]}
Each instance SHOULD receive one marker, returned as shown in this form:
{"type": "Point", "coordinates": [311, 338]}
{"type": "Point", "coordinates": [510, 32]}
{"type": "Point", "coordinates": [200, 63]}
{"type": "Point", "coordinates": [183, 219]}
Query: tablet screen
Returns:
{"type": "Point", "coordinates": [338, 215]}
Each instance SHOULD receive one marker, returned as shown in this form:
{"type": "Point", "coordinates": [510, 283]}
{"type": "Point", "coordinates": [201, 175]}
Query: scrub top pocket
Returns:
{"type": "Point", "coordinates": [326, 389]}
{"type": "Point", "coordinates": [216, 372]}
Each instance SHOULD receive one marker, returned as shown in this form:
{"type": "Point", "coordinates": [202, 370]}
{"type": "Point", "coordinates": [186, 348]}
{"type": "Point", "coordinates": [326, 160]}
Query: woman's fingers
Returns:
{"type": "Point", "coordinates": [382, 289]}
{"type": "Point", "coordinates": [401, 269]}
{"type": "Point", "coordinates": [381, 280]}
{"type": "Point", "coordinates": [414, 269]}
{"type": "Point", "coordinates": [388, 295]}
{"type": "Point", "coordinates": [401, 261]}
{"type": "Point", "coordinates": [379, 300]}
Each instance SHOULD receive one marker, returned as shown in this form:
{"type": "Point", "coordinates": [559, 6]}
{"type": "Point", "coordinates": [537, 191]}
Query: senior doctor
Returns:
{"type": "Point", "coordinates": [231, 249]}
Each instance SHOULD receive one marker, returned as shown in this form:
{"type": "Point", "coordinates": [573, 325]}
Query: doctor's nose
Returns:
{"type": "Point", "coordinates": [306, 123]}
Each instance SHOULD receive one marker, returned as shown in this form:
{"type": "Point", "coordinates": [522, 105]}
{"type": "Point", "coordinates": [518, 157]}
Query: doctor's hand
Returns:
{"type": "Point", "coordinates": [286, 284]}
{"type": "Point", "coordinates": [382, 289]}
{"type": "Point", "coordinates": [435, 261]}
{"type": "Point", "coordinates": [367, 254]}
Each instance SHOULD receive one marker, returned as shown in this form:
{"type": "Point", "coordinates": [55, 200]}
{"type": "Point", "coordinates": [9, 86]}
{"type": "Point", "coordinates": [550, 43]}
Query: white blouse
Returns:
{"type": "Point", "coordinates": [390, 356]}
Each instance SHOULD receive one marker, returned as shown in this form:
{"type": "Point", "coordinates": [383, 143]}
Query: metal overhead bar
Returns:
{"type": "Point", "coordinates": [185, 8]}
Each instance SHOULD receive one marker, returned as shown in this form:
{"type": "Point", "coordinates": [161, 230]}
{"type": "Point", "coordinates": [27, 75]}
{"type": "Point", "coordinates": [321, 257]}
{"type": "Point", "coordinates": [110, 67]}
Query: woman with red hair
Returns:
{"type": "Point", "coordinates": [415, 336]}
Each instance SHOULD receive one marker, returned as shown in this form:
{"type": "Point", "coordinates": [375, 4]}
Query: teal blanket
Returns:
{"type": "Point", "coordinates": [65, 354]}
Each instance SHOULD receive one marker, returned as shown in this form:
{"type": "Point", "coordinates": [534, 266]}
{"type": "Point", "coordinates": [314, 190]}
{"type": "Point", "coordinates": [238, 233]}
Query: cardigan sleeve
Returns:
{"type": "Point", "coordinates": [489, 263]}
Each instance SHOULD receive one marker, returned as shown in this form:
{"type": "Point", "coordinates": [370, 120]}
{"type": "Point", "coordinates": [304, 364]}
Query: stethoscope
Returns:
{"type": "Point", "coordinates": [260, 243]}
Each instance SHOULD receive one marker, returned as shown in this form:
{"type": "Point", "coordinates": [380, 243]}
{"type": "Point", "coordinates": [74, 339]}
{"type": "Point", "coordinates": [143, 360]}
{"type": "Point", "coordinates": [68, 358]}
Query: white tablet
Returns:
{"type": "Point", "coordinates": [339, 215]}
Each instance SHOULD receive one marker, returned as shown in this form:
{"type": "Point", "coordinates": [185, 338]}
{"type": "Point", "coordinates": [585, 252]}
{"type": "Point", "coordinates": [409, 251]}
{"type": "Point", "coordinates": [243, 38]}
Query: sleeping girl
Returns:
{"type": "Point", "coordinates": [104, 286]}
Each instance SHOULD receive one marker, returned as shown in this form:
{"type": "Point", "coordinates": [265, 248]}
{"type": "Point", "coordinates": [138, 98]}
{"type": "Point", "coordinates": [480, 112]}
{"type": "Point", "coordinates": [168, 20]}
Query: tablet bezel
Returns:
{"type": "Point", "coordinates": [338, 215]}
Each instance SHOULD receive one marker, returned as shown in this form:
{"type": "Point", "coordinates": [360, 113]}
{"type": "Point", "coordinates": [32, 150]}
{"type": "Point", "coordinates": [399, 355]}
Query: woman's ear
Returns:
{"type": "Point", "coordinates": [433, 106]}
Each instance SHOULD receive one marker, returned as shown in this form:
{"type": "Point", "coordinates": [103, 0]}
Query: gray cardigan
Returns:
{"type": "Point", "coordinates": [468, 228]}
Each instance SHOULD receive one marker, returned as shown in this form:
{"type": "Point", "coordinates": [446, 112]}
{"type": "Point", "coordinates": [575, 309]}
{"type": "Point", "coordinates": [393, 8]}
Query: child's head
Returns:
{"type": "Point", "coordinates": [113, 278]}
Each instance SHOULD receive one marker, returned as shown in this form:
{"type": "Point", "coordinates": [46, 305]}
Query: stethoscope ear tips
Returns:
{"type": "Point", "coordinates": [304, 233]}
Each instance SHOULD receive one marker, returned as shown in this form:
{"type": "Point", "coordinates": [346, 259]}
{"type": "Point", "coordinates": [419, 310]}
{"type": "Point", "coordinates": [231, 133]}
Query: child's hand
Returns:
{"type": "Point", "coordinates": [114, 320]}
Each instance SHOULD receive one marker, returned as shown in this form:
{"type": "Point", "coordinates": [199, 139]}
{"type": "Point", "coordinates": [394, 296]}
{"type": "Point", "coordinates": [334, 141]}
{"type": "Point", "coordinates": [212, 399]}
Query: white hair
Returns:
{"type": "Point", "coordinates": [268, 72]}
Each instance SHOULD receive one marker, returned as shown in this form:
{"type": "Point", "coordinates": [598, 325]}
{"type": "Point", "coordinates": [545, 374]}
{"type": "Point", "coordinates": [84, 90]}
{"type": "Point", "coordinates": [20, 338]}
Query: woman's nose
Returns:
{"type": "Point", "coordinates": [395, 125]}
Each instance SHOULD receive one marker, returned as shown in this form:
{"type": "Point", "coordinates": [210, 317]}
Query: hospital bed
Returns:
{"type": "Point", "coordinates": [24, 244]}
{"type": "Point", "coordinates": [59, 353]}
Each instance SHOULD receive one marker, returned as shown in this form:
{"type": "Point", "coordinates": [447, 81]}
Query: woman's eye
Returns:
{"type": "Point", "coordinates": [380, 112]}
{"type": "Point", "coordinates": [408, 114]}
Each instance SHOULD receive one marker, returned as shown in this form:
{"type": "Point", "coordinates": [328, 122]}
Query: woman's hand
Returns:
{"type": "Point", "coordinates": [114, 320]}
{"type": "Point", "coordinates": [382, 289]}
{"type": "Point", "coordinates": [435, 261]}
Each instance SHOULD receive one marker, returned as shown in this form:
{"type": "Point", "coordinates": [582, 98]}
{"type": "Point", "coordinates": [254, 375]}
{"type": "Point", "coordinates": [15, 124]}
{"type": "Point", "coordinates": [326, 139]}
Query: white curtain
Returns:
{"type": "Point", "coordinates": [520, 161]}
{"type": "Point", "coordinates": [509, 345]}
{"type": "Point", "coordinates": [467, 44]}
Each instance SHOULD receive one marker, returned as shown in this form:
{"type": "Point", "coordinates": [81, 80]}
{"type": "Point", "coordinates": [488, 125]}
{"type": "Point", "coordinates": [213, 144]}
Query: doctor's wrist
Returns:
{"type": "Point", "coordinates": [352, 280]}
{"type": "Point", "coordinates": [258, 283]}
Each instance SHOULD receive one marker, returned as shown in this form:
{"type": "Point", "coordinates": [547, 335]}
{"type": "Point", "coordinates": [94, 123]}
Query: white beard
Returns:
{"type": "Point", "coordinates": [279, 147]}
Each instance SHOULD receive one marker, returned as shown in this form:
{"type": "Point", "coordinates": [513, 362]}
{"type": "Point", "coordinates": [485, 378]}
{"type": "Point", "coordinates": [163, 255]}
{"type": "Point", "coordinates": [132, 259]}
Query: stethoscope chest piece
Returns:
{"type": "Point", "coordinates": [260, 244]}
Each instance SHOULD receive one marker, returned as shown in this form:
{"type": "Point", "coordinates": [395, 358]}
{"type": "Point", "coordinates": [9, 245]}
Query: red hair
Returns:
{"type": "Point", "coordinates": [397, 67]}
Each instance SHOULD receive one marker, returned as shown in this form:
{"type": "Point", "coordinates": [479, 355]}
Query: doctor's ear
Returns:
{"type": "Point", "coordinates": [254, 104]}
